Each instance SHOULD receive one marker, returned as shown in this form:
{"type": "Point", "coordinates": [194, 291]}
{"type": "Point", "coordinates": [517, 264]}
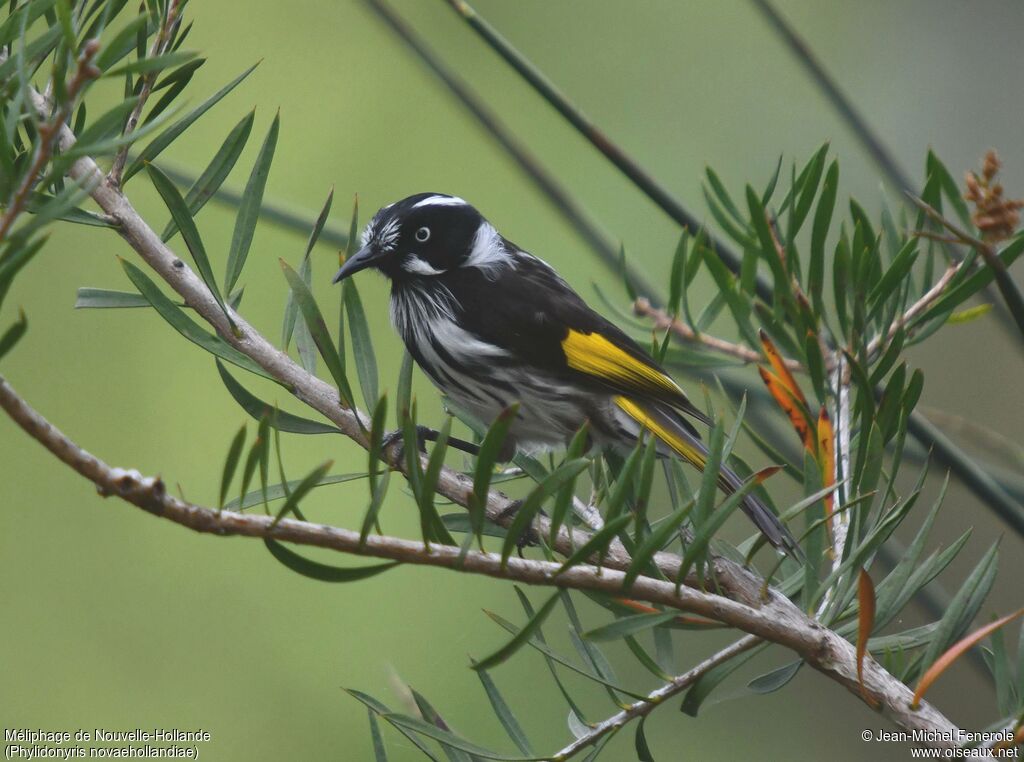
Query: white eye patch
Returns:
{"type": "Point", "coordinates": [414, 264]}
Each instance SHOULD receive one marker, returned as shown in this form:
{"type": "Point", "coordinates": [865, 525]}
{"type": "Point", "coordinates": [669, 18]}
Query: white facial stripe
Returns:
{"type": "Point", "coordinates": [440, 201]}
{"type": "Point", "coordinates": [488, 250]}
{"type": "Point", "coordinates": [414, 264]}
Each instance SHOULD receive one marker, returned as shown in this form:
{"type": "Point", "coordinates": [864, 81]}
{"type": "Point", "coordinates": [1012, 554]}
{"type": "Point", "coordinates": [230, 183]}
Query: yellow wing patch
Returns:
{"type": "Point", "coordinates": [682, 448]}
{"type": "Point", "coordinates": [593, 354]}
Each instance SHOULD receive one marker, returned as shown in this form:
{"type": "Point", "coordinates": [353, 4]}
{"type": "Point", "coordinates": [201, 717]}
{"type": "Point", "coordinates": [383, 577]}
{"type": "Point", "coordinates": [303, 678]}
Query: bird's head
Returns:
{"type": "Point", "coordinates": [423, 236]}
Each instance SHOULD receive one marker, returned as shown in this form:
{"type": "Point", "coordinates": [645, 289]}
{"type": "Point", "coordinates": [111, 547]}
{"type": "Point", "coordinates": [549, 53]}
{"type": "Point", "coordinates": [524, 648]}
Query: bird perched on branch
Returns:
{"type": "Point", "coordinates": [491, 324]}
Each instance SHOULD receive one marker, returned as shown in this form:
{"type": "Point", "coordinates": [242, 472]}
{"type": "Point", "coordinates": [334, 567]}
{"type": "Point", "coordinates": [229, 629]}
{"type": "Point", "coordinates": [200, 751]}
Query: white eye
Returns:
{"type": "Point", "coordinates": [423, 235]}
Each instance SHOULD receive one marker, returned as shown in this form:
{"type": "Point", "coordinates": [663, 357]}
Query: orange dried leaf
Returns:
{"type": "Point", "coordinates": [865, 624]}
{"type": "Point", "coordinates": [827, 459]}
{"type": "Point", "coordinates": [692, 621]}
{"type": "Point", "coordinates": [778, 364]}
{"type": "Point", "coordinates": [955, 651]}
{"type": "Point", "coordinates": [791, 406]}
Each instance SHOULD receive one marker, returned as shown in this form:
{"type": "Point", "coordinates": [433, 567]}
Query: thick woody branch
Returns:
{"type": "Point", "coordinates": [776, 620]}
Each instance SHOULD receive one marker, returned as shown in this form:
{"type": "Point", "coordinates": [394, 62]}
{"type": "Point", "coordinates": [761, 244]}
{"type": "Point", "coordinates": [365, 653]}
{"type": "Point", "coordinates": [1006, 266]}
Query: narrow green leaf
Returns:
{"type": "Point", "coordinates": [598, 542]}
{"type": "Point", "coordinates": [819, 233]}
{"type": "Point", "coordinates": [711, 679]}
{"type": "Point", "coordinates": [189, 232]}
{"type": "Point", "coordinates": [318, 328]}
{"type": "Point", "coordinates": [231, 464]}
{"type": "Point", "coordinates": [381, 710]}
{"type": "Point", "coordinates": [657, 540]}
{"type": "Point", "coordinates": [362, 346]}
{"type": "Point", "coordinates": [168, 136]}
{"type": "Point", "coordinates": [304, 486]}
{"type": "Point", "coordinates": [249, 207]}
{"type": "Point", "coordinates": [490, 449]}
{"type": "Point", "coordinates": [563, 501]}
{"type": "Point", "coordinates": [444, 737]}
{"type": "Point", "coordinates": [279, 491]}
{"type": "Point", "coordinates": [629, 625]}
{"type": "Point", "coordinates": [122, 43]}
{"type": "Point", "coordinates": [13, 334]}
{"type": "Point", "coordinates": [220, 166]}
{"type": "Point", "coordinates": [505, 715]}
{"type": "Point", "coordinates": [323, 572]}
{"type": "Point", "coordinates": [103, 298]}
{"type": "Point", "coordinates": [643, 750]}
{"type": "Point", "coordinates": [155, 63]}
{"type": "Point", "coordinates": [379, 753]}
{"type": "Point", "coordinates": [776, 679]}
{"type": "Point", "coordinates": [520, 639]}
{"type": "Point", "coordinates": [959, 613]}
{"type": "Point", "coordinates": [13, 260]}
{"type": "Point", "coordinates": [566, 473]}
{"type": "Point", "coordinates": [259, 409]}
{"type": "Point", "coordinates": [291, 309]}
{"type": "Point", "coordinates": [184, 325]}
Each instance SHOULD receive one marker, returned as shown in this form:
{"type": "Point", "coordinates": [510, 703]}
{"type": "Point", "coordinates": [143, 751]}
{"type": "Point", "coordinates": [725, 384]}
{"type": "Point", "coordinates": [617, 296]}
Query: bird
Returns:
{"type": "Point", "coordinates": [490, 324]}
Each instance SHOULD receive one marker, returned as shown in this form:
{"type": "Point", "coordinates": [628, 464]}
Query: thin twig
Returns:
{"type": "Point", "coordinates": [662, 321]}
{"type": "Point", "coordinates": [655, 699]}
{"type": "Point", "coordinates": [1011, 294]}
{"type": "Point", "coordinates": [776, 620]}
{"type": "Point", "coordinates": [48, 131]}
{"type": "Point", "coordinates": [880, 343]}
{"type": "Point", "coordinates": [159, 47]}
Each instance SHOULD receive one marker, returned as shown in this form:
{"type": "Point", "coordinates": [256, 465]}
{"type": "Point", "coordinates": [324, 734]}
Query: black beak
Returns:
{"type": "Point", "coordinates": [367, 256]}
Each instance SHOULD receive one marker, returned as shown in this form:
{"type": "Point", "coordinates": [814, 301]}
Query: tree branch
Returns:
{"type": "Point", "coordinates": [776, 620]}
{"type": "Point", "coordinates": [656, 698]}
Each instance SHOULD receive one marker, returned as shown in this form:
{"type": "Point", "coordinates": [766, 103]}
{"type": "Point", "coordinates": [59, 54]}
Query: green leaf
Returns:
{"type": "Point", "coordinates": [258, 409]}
{"type": "Point", "coordinates": [122, 43]}
{"type": "Point", "coordinates": [310, 481]}
{"type": "Point", "coordinates": [184, 325]}
{"type": "Point", "coordinates": [249, 208]}
{"type": "Point", "coordinates": [964, 605]}
{"type": "Point", "coordinates": [433, 717]}
{"type": "Point", "coordinates": [13, 334]}
{"type": "Point", "coordinates": [231, 464]}
{"type": "Point", "coordinates": [156, 63]}
{"type": "Point", "coordinates": [291, 309]}
{"type": "Point", "coordinates": [505, 715]}
{"type": "Point", "coordinates": [776, 679]}
{"type": "Point", "coordinates": [487, 457]}
{"type": "Point", "coordinates": [657, 540]}
{"type": "Point", "coordinates": [566, 473]}
{"type": "Point", "coordinates": [563, 501]}
{"type": "Point", "coordinates": [103, 298]}
{"type": "Point", "coordinates": [318, 328]}
{"type": "Point", "coordinates": [362, 346]}
{"type": "Point", "coordinates": [969, 315]}
{"type": "Point", "coordinates": [323, 572]}
{"type": "Point", "coordinates": [935, 168]}
{"type": "Point", "coordinates": [278, 491]}
{"type": "Point", "coordinates": [629, 625]}
{"type": "Point", "coordinates": [220, 166]}
{"type": "Point", "coordinates": [189, 232]}
{"type": "Point", "coordinates": [711, 679]}
{"type": "Point", "coordinates": [15, 258]}
{"type": "Point", "coordinates": [429, 517]}
{"type": "Point", "coordinates": [404, 393]}
{"type": "Point", "coordinates": [643, 750]}
{"type": "Point", "coordinates": [598, 542]}
{"type": "Point", "coordinates": [379, 753]}
{"type": "Point", "coordinates": [819, 233]}
{"type": "Point", "coordinates": [380, 709]}
{"type": "Point", "coordinates": [520, 639]}
{"type": "Point", "coordinates": [23, 17]}
{"type": "Point", "coordinates": [169, 135]}
{"type": "Point", "coordinates": [444, 737]}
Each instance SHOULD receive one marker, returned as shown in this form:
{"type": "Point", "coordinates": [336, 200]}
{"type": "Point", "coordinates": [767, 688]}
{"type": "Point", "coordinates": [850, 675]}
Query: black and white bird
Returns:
{"type": "Point", "coordinates": [491, 324]}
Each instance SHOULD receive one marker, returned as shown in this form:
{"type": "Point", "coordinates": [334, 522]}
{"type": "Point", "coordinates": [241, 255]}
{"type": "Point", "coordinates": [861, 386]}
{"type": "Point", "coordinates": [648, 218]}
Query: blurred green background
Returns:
{"type": "Point", "coordinates": [116, 620]}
